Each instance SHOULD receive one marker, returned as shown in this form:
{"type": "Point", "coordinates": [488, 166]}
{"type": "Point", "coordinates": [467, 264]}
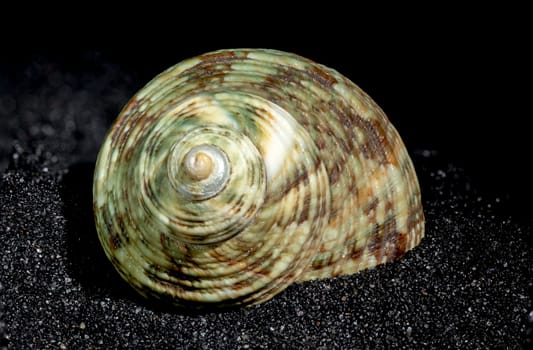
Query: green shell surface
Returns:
{"type": "Point", "coordinates": [233, 174]}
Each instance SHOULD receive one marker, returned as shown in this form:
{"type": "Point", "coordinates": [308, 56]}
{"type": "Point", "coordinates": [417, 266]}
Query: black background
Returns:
{"type": "Point", "coordinates": [452, 80]}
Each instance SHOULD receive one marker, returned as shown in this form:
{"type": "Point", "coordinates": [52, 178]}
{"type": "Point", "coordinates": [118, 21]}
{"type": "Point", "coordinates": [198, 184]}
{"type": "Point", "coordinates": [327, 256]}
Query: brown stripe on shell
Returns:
{"type": "Point", "coordinates": [375, 144]}
{"type": "Point", "coordinates": [304, 216]}
{"type": "Point", "coordinates": [277, 196]}
{"type": "Point", "coordinates": [219, 56]}
{"type": "Point", "coordinates": [381, 235]}
{"type": "Point", "coordinates": [321, 77]}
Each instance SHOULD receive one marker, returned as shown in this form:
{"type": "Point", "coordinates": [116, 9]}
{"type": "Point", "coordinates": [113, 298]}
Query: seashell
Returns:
{"type": "Point", "coordinates": [233, 174]}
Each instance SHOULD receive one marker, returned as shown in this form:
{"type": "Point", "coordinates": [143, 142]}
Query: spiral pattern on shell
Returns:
{"type": "Point", "coordinates": [233, 174]}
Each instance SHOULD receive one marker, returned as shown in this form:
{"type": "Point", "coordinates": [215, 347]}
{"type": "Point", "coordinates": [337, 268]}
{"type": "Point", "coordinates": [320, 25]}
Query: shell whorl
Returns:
{"type": "Point", "coordinates": [235, 173]}
{"type": "Point", "coordinates": [199, 174]}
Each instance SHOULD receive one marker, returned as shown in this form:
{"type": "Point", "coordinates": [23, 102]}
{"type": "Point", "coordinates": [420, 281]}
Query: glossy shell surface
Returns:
{"type": "Point", "coordinates": [233, 174]}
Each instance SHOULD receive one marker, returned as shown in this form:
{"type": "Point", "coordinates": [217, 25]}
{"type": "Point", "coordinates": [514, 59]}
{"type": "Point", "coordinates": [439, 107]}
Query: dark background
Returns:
{"type": "Point", "coordinates": [452, 80]}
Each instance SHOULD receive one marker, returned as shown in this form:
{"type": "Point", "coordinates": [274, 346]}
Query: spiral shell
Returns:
{"type": "Point", "coordinates": [233, 174]}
